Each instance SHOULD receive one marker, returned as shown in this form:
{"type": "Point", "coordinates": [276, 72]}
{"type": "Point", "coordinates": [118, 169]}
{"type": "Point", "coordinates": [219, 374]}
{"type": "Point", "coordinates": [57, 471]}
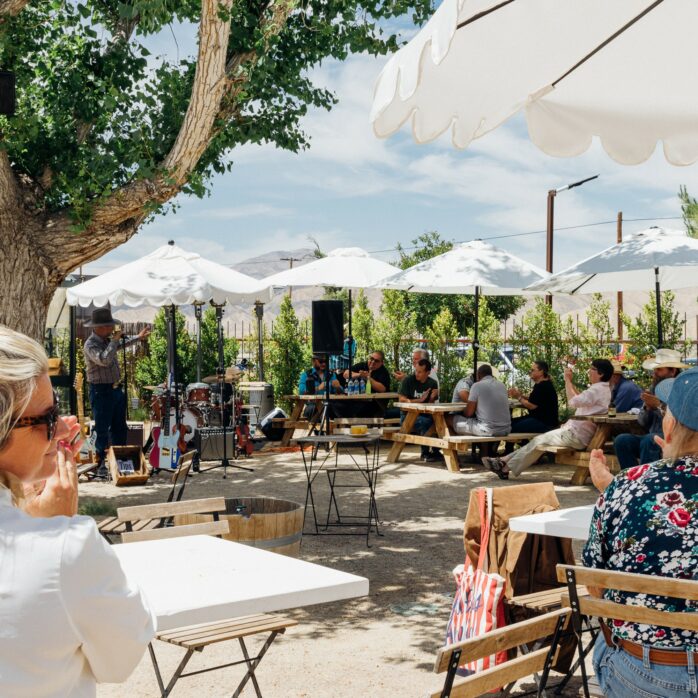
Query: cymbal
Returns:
{"type": "Point", "coordinates": [212, 380]}
{"type": "Point", "coordinates": [153, 387]}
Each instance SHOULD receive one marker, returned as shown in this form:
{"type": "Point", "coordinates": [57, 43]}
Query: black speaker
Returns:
{"type": "Point", "coordinates": [7, 93]}
{"type": "Point", "coordinates": [328, 327]}
{"type": "Point", "coordinates": [208, 441]}
{"type": "Point", "coordinates": [267, 427]}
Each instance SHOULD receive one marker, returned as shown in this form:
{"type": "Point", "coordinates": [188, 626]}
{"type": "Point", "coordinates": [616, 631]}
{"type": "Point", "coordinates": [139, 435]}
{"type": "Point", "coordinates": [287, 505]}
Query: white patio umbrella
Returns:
{"type": "Point", "coordinates": [475, 267]}
{"type": "Point", "coordinates": [169, 275]}
{"type": "Point", "coordinates": [665, 259]}
{"type": "Point", "coordinates": [343, 267]}
{"type": "Point", "coordinates": [625, 71]}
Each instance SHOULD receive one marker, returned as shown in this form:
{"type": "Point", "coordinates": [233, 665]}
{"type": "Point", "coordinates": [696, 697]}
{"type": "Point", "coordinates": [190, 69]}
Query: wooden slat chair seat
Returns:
{"type": "Point", "coordinates": [543, 601]}
{"type": "Point", "coordinates": [590, 606]}
{"type": "Point", "coordinates": [113, 526]}
{"type": "Point", "coordinates": [530, 633]}
{"type": "Point", "coordinates": [194, 638]}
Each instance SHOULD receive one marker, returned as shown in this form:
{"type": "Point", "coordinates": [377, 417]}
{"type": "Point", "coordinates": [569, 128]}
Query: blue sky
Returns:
{"type": "Point", "coordinates": [351, 188]}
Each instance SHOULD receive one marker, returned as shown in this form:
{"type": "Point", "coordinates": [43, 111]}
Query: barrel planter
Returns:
{"type": "Point", "coordinates": [262, 522]}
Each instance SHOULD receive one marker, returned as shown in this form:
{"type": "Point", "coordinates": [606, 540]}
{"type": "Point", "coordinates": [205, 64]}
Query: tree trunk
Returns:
{"type": "Point", "coordinates": [26, 282]}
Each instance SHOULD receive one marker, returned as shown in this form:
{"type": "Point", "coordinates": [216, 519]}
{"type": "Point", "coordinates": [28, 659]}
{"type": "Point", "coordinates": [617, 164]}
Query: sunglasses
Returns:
{"type": "Point", "coordinates": [50, 419]}
{"type": "Point", "coordinates": [374, 358]}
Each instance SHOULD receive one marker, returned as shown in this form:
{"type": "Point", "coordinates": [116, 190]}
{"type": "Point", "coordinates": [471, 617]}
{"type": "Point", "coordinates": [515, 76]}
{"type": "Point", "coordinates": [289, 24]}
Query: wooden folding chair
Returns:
{"type": "Point", "coordinates": [195, 638]}
{"type": "Point", "coordinates": [591, 606]}
{"type": "Point", "coordinates": [112, 526]}
{"type": "Point", "coordinates": [540, 636]}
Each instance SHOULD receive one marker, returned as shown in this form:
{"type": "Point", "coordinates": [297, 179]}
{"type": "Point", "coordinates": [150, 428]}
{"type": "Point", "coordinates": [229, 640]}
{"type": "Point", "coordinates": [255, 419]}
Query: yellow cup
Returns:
{"type": "Point", "coordinates": [359, 429]}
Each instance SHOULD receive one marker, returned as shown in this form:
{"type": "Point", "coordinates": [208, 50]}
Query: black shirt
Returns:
{"type": "Point", "coordinates": [380, 374]}
{"type": "Point", "coordinates": [412, 388]}
{"type": "Point", "coordinates": [544, 396]}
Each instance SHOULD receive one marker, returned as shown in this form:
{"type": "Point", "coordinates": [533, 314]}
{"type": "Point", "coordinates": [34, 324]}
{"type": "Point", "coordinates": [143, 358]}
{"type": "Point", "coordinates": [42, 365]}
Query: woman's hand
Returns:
{"type": "Point", "coordinates": [600, 474]}
{"type": "Point", "coordinates": [59, 496]}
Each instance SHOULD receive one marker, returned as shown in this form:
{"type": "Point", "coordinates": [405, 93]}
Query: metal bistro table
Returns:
{"type": "Point", "coordinates": [314, 464]}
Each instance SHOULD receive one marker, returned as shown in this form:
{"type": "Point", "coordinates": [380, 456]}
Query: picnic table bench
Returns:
{"type": "Point", "coordinates": [297, 421]}
{"type": "Point", "coordinates": [450, 444]}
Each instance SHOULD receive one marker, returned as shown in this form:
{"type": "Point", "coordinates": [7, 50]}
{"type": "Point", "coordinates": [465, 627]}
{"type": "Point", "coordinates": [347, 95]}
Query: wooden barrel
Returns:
{"type": "Point", "coordinates": [262, 522]}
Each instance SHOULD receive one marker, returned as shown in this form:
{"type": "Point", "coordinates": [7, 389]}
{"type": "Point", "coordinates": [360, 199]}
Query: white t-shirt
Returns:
{"type": "Point", "coordinates": [594, 400]}
{"type": "Point", "coordinates": [69, 617]}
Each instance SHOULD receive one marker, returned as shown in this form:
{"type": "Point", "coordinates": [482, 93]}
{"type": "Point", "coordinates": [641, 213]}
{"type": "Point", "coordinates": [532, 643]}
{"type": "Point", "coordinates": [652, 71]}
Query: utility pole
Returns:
{"type": "Point", "coordinates": [550, 226]}
{"type": "Point", "coordinates": [290, 261]}
{"type": "Point", "coordinates": [619, 296]}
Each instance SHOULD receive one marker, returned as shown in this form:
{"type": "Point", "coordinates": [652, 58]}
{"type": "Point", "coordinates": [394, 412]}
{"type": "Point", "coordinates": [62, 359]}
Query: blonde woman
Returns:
{"type": "Point", "coordinates": [68, 615]}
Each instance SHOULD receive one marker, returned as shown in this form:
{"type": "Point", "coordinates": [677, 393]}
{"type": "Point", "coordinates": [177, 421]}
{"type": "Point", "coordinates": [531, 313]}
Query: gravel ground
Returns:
{"type": "Point", "coordinates": [380, 645]}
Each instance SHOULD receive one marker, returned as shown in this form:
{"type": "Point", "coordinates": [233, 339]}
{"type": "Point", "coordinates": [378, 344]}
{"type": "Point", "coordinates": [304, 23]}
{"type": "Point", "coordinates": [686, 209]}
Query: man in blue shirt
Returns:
{"type": "Point", "coordinates": [625, 394]}
{"type": "Point", "coordinates": [312, 382]}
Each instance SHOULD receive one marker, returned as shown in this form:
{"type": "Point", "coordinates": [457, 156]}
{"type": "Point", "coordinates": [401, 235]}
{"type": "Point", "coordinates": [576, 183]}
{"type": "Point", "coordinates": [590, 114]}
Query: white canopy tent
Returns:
{"type": "Point", "coordinates": [624, 71]}
{"type": "Point", "coordinates": [475, 267]}
{"type": "Point", "coordinates": [653, 258]}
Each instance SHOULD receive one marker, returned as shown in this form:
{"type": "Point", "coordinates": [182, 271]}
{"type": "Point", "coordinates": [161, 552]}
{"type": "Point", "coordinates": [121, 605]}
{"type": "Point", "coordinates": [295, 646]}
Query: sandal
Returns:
{"type": "Point", "coordinates": [496, 466]}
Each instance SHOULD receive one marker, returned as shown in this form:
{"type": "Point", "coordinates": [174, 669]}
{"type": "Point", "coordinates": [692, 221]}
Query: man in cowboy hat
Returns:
{"type": "Point", "coordinates": [103, 374]}
{"type": "Point", "coordinates": [625, 394]}
{"type": "Point", "coordinates": [633, 448]}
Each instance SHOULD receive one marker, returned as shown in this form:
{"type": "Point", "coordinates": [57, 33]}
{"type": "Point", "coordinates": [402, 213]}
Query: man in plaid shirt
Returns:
{"type": "Point", "coordinates": [103, 374]}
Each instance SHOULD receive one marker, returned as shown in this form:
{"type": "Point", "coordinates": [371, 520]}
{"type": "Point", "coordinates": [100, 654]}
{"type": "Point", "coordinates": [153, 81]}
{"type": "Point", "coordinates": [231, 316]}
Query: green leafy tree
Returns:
{"type": "Point", "coordinates": [395, 330]}
{"type": "Point", "coordinates": [442, 347]}
{"type": "Point", "coordinates": [289, 353]}
{"type": "Point", "coordinates": [642, 331]}
{"type": "Point", "coordinates": [363, 326]}
{"type": "Point", "coordinates": [595, 340]}
{"type": "Point", "coordinates": [209, 345]}
{"type": "Point", "coordinates": [689, 211]}
{"type": "Point", "coordinates": [426, 306]}
{"type": "Point", "coordinates": [152, 369]}
{"type": "Point", "coordinates": [105, 135]}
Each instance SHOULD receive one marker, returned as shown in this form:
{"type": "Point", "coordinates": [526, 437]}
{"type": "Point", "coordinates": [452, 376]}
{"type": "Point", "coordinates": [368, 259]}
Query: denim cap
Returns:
{"type": "Point", "coordinates": [663, 389]}
{"type": "Point", "coordinates": [683, 400]}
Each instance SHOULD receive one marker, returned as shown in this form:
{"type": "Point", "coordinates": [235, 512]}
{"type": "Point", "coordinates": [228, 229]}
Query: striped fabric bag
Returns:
{"type": "Point", "coordinates": [478, 605]}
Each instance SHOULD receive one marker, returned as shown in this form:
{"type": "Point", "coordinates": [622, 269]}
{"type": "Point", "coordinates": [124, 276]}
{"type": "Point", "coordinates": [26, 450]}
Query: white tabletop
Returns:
{"type": "Point", "coordinates": [563, 523]}
{"type": "Point", "coordinates": [201, 579]}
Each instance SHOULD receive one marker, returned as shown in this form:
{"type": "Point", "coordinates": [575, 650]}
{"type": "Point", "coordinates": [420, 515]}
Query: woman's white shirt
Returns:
{"type": "Point", "coordinates": [69, 617]}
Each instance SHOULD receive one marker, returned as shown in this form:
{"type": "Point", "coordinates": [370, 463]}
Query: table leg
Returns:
{"type": "Point", "coordinates": [601, 435]}
{"type": "Point", "coordinates": [450, 454]}
{"type": "Point", "coordinates": [295, 414]}
{"type": "Point", "coordinates": [405, 428]}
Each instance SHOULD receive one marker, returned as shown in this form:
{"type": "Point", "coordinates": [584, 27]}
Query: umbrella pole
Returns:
{"type": "Point", "coordinates": [351, 339]}
{"type": "Point", "coordinates": [658, 299]}
{"type": "Point", "coordinates": [476, 331]}
{"type": "Point", "coordinates": [197, 314]}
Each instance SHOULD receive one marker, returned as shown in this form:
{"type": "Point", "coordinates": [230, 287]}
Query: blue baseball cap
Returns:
{"type": "Point", "coordinates": [683, 400]}
{"type": "Point", "coordinates": [663, 389]}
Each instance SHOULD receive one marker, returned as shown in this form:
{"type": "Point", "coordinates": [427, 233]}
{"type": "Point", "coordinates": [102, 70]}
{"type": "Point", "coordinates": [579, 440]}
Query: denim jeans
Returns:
{"type": "Point", "coordinates": [631, 448]}
{"type": "Point", "coordinates": [528, 425]}
{"type": "Point", "coordinates": [109, 412]}
{"type": "Point", "coordinates": [421, 426]}
{"type": "Point", "coordinates": [621, 675]}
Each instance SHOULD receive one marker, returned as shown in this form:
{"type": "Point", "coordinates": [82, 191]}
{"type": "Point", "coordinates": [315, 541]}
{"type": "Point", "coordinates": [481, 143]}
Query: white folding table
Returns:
{"type": "Point", "coordinates": [563, 523]}
{"type": "Point", "coordinates": [202, 579]}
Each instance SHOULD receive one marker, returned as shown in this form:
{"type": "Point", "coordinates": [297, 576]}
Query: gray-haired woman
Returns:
{"type": "Point", "coordinates": [69, 616]}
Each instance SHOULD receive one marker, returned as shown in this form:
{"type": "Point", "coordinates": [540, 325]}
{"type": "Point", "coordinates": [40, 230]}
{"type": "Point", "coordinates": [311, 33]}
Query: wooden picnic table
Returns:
{"type": "Point", "coordinates": [606, 427]}
{"type": "Point", "coordinates": [450, 444]}
{"type": "Point", "coordinates": [296, 421]}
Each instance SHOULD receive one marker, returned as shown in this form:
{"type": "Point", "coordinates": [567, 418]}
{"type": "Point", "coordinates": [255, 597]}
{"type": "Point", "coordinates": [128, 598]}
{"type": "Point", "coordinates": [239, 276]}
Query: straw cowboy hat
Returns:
{"type": "Point", "coordinates": [617, 366]}
{"type": "Point", "coordinates": [101, 317]}
{"type": "Point", "coordinates": [665, 358]}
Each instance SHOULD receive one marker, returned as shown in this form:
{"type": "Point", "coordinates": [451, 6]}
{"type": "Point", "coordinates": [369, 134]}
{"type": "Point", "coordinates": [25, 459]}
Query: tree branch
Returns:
{"type": "Point", "coordinates": [10, 8]}
{"type": "Point", "coordinates": [10, 194]}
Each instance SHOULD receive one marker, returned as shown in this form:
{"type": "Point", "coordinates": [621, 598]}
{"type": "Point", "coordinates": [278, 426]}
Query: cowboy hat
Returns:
{"type": "Point", "coordinates": [101, 317]}
{"type": "Point", "coordinates": [617, 366]}
{"type": "Point", "coordinates": [665, 358]}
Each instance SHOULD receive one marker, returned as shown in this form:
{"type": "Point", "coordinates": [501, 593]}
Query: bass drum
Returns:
{"type": "Point", "coordinates": [191, 418]}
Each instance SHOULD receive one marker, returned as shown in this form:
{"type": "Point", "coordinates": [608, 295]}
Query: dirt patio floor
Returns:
{"type": "Point", "coordinates": [380, 645]}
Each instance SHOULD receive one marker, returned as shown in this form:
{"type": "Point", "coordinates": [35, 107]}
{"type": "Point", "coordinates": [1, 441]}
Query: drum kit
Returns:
{"type": "Point", "coordinates": [200, 404]}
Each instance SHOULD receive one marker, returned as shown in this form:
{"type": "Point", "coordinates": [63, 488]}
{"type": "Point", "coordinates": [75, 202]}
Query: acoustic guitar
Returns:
{"type": "Point", "coordinates": [88, 453]}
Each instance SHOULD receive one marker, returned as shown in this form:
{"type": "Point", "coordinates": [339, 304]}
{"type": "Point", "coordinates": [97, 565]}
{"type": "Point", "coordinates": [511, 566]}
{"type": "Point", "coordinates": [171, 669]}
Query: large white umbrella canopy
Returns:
{"type": "Point", "coordinates": [169, 275]}
{"type": "Point", "coordinates": [651, 259]}
{"type": "Point", "coordinates": [625, 71]}
{"type": "Point", "coordinates": [344, 267]}
{"type": "Point", "coordinates": [473, 267]}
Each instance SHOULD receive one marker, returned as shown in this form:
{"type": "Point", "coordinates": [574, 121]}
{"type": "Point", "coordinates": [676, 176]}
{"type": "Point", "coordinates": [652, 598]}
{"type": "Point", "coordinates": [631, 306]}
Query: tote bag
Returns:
{"type": "Point", "coordinates": [478, 605]}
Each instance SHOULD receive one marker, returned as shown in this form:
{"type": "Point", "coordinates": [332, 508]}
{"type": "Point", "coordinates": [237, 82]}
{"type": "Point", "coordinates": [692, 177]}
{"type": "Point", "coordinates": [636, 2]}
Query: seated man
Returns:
{"type": "Point", "coordinates": [312, 382]}
{"type": "Point", "coordinates": [631, 448]}
{"type": "Point", "coordinates": [417, 356]}
{"type": "Point", "coordinates": [419, 387]}
{"type": "Point", "coordinates": [575, 433]}
{"type": "Point", "coordinates": [625, 394]}
{"type": "Point", "coordinates": [463, 386]}
{"type": "Point", "coordinates": [377, 380]}
{"type": "Point", "coordinates": [487, 410]}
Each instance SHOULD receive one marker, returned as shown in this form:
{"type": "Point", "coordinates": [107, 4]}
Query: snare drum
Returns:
{"type": "Point", "coordinates": [198, 392]}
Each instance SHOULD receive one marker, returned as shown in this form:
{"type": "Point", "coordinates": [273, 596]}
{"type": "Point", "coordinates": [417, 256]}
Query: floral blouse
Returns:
{"type": "Point", "coordinates": [646, 522]}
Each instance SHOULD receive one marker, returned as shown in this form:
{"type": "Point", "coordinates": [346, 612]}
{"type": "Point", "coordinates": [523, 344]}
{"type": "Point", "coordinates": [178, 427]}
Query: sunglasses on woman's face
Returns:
{"type": "Point", "coordinates": [50, 419]}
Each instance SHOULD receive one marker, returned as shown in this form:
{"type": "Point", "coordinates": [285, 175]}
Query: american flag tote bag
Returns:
{"type": "Point", "coordinates": [478, 605]}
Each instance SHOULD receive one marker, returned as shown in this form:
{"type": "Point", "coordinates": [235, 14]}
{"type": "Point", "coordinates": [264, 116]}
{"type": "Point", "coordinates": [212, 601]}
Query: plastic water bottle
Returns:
{"type": "Point", "coordinates": [362, 386]}
{"type": "Point", "coordinates": [352, 387]}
